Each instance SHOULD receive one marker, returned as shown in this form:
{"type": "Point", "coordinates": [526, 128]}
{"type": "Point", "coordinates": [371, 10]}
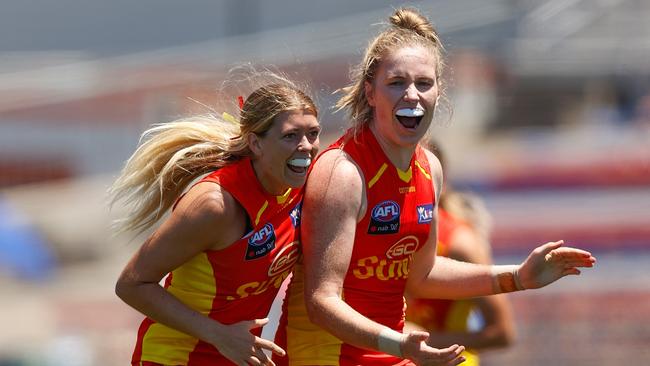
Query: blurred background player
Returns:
{"type": "Point", "coordinates": [479, 323]}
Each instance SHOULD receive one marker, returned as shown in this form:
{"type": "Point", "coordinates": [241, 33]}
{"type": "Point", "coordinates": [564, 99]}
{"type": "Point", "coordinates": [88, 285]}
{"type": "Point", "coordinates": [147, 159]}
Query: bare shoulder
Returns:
{"type": "Point", "coordinates": [211, 215]}
{"type": "Point", "coordinates": [335, 170]}
{"type": "Point", "coordinates": [335, 184]}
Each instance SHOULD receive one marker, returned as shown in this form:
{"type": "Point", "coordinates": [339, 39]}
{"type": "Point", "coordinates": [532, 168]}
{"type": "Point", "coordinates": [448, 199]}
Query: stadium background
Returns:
{"type": "Point", "coordinates": [551, 126]}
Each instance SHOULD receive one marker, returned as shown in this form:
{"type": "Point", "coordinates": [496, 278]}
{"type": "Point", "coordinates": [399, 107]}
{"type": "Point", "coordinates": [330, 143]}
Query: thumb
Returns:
{"type": "Point", "coordinates": [417, 336]}
{"type": "Point", "coordinates": [258, 323]}
{"type": "Point", "coordinates": [549, 247]}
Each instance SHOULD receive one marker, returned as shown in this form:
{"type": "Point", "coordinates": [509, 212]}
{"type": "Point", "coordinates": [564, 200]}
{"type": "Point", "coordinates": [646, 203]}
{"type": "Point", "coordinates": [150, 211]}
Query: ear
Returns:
{"type": "Point", "coordinates": [370, 93]}
{"type": "Point", "coordinates": [255, 144]}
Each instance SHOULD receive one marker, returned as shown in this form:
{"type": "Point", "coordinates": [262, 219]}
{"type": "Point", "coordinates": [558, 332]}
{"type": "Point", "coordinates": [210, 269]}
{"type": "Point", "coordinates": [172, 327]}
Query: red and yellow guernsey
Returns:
{"type": "Point", "coordinates": [395, 226]}
{"type": "Point", "coordinates": [233, 284]}
{"type": "Point", "coordinates": [439, 314]}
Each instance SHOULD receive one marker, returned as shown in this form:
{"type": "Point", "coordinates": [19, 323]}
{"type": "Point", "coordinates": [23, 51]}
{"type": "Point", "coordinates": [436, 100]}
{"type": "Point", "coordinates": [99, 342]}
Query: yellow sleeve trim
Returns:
{"type": "Point", "coordinates": [378, 175]}
{"type": "Point", "coordinates": [426, 174]}
{"type": "Point", "coordinates": [259, 213]}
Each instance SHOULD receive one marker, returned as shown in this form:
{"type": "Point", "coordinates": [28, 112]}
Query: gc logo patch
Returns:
{"type": "Point", "coordinates": [261, 242]}
{"type": "Point", "coordinates": [384, 218]}
{"type": "Point", "coordinates": [404, 248]}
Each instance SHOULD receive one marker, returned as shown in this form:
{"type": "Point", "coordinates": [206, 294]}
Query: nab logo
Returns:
{"type": "Point", "coordinates": [403, 248]}
{"type": "Point", "coordinates": [425, 213]}
{"type": "Point", "coordinates": [385, 211]}
{"type": "Point", "coordinates": [384, 218]}
{"type": "Point", "coordinates": [261, 242]}
{"type": "Point", "coordinates": [294, 215]}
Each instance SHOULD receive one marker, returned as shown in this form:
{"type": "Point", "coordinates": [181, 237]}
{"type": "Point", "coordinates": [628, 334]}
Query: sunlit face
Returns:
{"type": "Point", "coordinates": [283, 155]}
{"type": "Point", "coordinates": [403, 95]}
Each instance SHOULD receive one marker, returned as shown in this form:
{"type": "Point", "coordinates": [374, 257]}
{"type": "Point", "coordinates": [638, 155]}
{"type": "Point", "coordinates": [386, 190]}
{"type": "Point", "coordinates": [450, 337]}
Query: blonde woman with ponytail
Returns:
{"type": "Point", "coordinates": [369, 228]}
{"type": "Point", "coordinates": [230, 239]}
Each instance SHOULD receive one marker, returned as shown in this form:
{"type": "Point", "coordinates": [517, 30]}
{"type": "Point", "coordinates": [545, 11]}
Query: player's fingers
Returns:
{"type": "Point", "coordinates": [571, 271]}
{"type": "Point", "coordinates": [252, 360]}
{"type": "Point", "coordinates": [450, 353]}
{"type": "Point", "coordinates": [263, 357]}
{"type": "Point", "coordinates": [548, 247]}
{"type": "Point", "coordinates": [417, 336]}
{"type": "Point", "coordinates": [258, 323]}
{"type": "Point", "coordinates": [456, 361]}
{"type": "Point", "coordinates": [266, 344]}
{"type": "Point", "coordinates": [572, 253]}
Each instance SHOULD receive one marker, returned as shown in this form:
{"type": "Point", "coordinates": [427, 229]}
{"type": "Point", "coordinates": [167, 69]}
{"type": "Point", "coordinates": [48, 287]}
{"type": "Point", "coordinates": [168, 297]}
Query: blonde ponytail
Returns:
{"type": "Point", "coordinates": [169, 157]}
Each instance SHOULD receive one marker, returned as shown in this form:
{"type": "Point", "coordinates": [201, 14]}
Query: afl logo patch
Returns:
{"type": "Point", "coordinates": [425, 213]}
{"type": "Point", "coordinates": [384, 218]}
{"type": "Point", "coordinates": [261, 242]}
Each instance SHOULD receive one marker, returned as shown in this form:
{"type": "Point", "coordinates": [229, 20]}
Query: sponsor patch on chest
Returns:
{"type": "Point", "coordinates": [425, 213]}
{"type": "Point", "coordinates": [261, 242]}
{"type": "Point", "coordinates": [384, 218]}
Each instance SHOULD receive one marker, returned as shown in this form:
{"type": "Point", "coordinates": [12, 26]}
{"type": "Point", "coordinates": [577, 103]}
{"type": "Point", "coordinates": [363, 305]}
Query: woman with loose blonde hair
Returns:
{"type": "Point", "coordinates": [230, 239]}
{"type": "Point", "coordinates": [369, 227]}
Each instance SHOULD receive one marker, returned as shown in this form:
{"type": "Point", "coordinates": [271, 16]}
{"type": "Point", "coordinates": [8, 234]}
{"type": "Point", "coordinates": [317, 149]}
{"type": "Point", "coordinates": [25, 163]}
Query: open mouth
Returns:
{"type": "Point", "coordinates": [299, 165]}
{"type": "Point", "coordinates": [410, 117]}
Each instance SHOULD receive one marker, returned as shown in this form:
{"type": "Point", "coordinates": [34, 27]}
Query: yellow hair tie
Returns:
{"type": "Point", "coordinates": [230, 118]}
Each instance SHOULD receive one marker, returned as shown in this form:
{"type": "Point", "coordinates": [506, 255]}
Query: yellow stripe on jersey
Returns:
{"type": "Point", "coordinates": [426, 174]}
{"type": "Point", "coordinates": [307, 343]}
{"type": "Point", "coordinates": [378, 175]}
{"type": "Point", "coordinates": [259, 213]}
{"type": "Point", "coordinates": [167, 346]}
{"type": "Point", "coordinates": [405, 175]}
{"type": "Point", "coordinates": [283, 198]}
{"type": "Point", "coordinates": [193, 284]}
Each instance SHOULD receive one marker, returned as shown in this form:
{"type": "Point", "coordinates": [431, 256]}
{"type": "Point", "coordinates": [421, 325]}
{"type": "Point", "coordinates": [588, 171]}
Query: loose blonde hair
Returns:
{"type": "Point", "coordinates": [171, 155]}
{"type": "Point", "coordinates": [408, 28]}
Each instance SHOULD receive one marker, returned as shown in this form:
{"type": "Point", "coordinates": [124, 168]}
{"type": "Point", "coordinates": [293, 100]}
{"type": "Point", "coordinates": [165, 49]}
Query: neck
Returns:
{"type": "Point", "coordinates": [267, 182]}
{"type": "Point", "coordinates": [400, 156]}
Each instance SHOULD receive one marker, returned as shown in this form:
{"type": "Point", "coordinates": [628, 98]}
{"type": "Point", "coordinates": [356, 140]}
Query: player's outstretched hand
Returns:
{"type": "Point", "coordinates": [415, 349]}
{"type": "Point", "coordinates": [550, 262]}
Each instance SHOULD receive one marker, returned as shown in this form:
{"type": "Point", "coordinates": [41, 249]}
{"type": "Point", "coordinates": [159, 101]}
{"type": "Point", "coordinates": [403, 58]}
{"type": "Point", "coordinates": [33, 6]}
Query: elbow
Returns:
{"type": "Point", "coordinates": [125, 289]}
{"type": "Point", "coordinates": [315, 309]}
{"type": "Point", "coordinates": [121, 289]}
{"type": "Point", "coordinates": [505, 338]}
{"type": "Point", "coordinates": [509, 337]}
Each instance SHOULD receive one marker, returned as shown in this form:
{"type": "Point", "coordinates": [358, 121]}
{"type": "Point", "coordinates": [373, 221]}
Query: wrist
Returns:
{"type": "Point", "coordinates": [390, 341]}
{"type": "Point", "coordinates": [506, 279]}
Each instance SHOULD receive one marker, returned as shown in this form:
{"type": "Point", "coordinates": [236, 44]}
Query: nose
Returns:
{"type": "Point", "coordinates": [411, 93]}
{"type": "Point", "coordinates": [305, 144]}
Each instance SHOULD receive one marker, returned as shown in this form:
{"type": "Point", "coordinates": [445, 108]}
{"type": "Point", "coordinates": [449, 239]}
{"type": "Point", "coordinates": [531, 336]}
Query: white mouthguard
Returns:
{"type": "Point", "coordinates": [303, 163]}
{"type": "Point", "coordinates": [410, 112]}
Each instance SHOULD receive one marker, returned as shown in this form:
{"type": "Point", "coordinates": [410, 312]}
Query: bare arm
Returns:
{"type": "Point", "coordinates": [451, 279]}
{"type": "Point", "coordinates": [206, 218]}
{"type": "Point", "coordinates": [334, 200]}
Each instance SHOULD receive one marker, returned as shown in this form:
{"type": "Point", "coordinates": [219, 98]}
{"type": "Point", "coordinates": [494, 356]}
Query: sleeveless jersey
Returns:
{"type": "Point", "coordinates": [232, 284]}
{"type": "Point", "coordinates": [441, 314]}
{"type": "Point", "coordinates": [396, 225]}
